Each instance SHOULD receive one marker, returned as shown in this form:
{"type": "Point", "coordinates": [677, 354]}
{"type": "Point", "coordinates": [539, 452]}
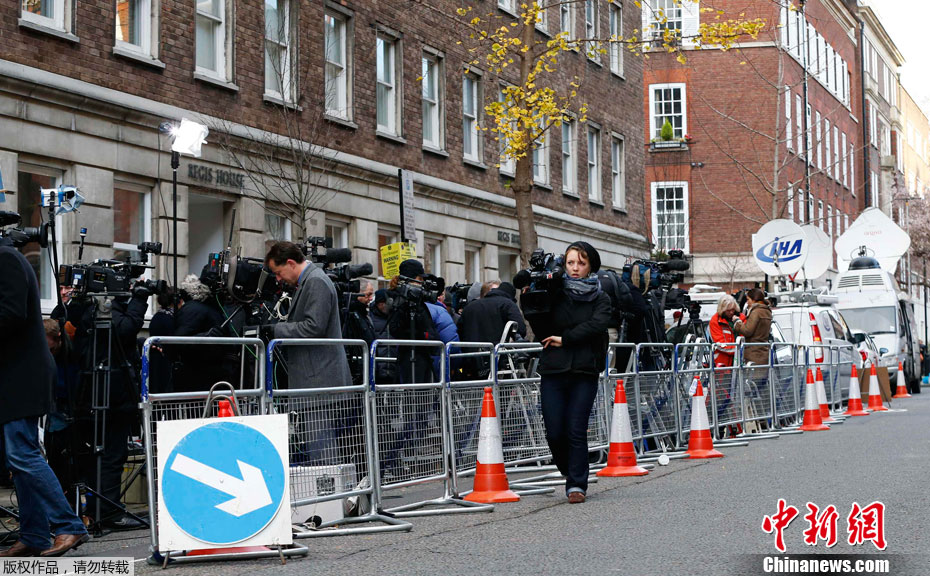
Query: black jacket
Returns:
{"type": "Point", "coordinates": [484, 319]}
{"type": "Point", "coordinates": [27, 370]}
{"type": "Point", "coordinates": [583, 328]}
{"type": "Point", "coordinates": [198, 366]}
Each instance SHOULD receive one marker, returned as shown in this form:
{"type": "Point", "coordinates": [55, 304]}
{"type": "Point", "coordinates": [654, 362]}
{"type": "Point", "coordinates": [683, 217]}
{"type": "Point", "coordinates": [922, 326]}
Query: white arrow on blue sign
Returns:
{"type": "Point", "coordinates": [223, 482]}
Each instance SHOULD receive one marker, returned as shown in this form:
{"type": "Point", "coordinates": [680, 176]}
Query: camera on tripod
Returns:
{"type": "Point", "coordinates": [320, 251]}
{"type": "Point", "coordinates": [458, 295]}
{"type": "Point", "coordinates": [23, 235]}
{"type": "Point", "coordinates": [111, 276]}
{"type": "Point", "coordinates": [414, 292]}
{"type": "Point", "coordinates": [544, 268]}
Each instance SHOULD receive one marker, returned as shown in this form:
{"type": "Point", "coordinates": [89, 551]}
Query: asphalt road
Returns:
{"type": "Point", "coordinates": [690, 517]}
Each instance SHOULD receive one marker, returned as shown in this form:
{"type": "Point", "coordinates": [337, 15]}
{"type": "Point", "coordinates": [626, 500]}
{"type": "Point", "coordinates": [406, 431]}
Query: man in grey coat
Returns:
{"type": "Point", "coordinates": [314, 313]}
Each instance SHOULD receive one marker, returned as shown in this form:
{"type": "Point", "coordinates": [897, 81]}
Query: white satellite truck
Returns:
{"type": "Point", "coordinates": [869, 296]}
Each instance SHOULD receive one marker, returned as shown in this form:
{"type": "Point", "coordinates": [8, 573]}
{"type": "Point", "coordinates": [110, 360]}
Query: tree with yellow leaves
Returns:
{"type": "Point", "coordinates": [538, 96]}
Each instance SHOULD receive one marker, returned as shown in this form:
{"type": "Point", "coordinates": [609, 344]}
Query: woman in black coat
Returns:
{"type": "Point", "coordinates": [574, 337]}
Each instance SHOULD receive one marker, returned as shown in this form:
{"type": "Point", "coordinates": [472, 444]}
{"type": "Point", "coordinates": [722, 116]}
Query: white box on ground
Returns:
{"type": "Point", "coordinates": [313, 481]}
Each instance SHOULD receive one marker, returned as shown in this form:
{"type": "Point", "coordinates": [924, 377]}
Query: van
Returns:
{"type": "Point", "coordinates": [811, 318]}
{"type": "Point", "coordinates": [871, 301]}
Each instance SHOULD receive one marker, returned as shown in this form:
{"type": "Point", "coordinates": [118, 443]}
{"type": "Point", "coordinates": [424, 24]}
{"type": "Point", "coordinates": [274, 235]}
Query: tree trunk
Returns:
{"type": "Point", "coordinates": [523, 194]}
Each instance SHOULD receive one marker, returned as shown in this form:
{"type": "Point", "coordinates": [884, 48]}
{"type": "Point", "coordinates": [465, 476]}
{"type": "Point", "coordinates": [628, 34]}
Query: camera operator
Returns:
{"type": "Point", "coordinates": [442, 320]}
{"type": "Point", "coordinates": [380, 312]}
{"type": "Point", "coordinates": [484, 320]}
{"type": "Point", "coordinates": [198, 367]}
{"type": "Point", "coordinates": [314, 313]}
{"type": "Point", "coordinates": [27, 376]}
{"type": "Point", "coordinates": [574, 336]}
{"type": "Point", "coordinates": [358, 323]}
{"type": "Point", "coordinates": [412, 320]}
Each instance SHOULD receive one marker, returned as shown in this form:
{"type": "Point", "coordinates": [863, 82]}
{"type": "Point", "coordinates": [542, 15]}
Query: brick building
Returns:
{"type": "Point", "coordinates": [373, 87]}
{"type": "Point", "coordinates": [750, 143]}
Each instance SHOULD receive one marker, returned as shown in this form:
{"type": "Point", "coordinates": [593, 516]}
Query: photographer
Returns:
{"type": "Point", "coordinates": [358, 323]}
{"type": "Point", "coordinates": [27, 375]}
{"type": "Point", "coordinates": [574, 336]}
{"type": "Point", "coordinates": [411, 319]}
{"type": "Point", "coordinates": [314, 313]}
{"type": "Point", "coordinates": [197, 367]}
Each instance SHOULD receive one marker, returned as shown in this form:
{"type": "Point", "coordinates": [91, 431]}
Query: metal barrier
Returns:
{"type": "Point", "coordinates": [725, 394]}
{"type": "Point", "coordinates": [656, 399]}
{"type": "Point", "coordinates": [758, 408]}
{"type": "Point", "coordinates": [188, 405]}
{"type": "Point", "coordinates": [412, 438]}
{"type": "Point", "coordinates": [615, 352]}
{"type": "Point", "coordinates": [331, 449]}
{"type": "Point", "coordinates": [691, 361]}
{"type": "Point", "coordinates": [465, 399]}
{"type": "Point", "coordinates": [785, 385]}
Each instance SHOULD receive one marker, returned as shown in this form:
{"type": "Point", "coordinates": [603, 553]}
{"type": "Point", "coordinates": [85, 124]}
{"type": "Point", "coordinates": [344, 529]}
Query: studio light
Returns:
{"type": "Point", "coordinates": [188, 138]}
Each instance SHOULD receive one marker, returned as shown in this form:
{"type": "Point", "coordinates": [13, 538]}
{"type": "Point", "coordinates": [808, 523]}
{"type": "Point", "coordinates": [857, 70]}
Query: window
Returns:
{"type": "Point", "coordinates": [789, 137]}
{"type": "Point", "coordinates": [845, 160]}
{"type": "Point", "coordinates": [432, 256]}
{"type": "Point", "coordinates": [472, 265]}
{"type": "Point", "coordinates": [568, 157]}
{"type": "Point", "coordinates": [826, 124]}
{"type": "Point", "coordinates": [873, 125]}
{"type": "Point", "coordinates": [810, 134]}
{"type": "Point", "coordinates": [616, 32]}
{"type": "Point", "coordinates": [852, 171]}
{"type": "Point", "coordinates": [618, 172]}
{"type": "Point", "coordinates": [507, 163]}
{"type": "Point", "coordinates": [541, 156]}
{"type": "Point", "coordinates": [830, 221]}
{"type": "Point", "coordinates": [385, 237]}
{"type": "Point", "coordinates": [790, 204]}
{"type": "Point", "coordinates": [665, 15]}
{"type": "Point", "coordinates": [134, 24]}
{"type": "Point", "coordinates": [836, 153]}
{"type": "Point", "coordinates": [874, 178]}
{"type": "Point", "coordinates": [838, 222]}
{"type": "Point", "coordinates": [798, 119]}
{"type": "Point", "coordinates": [885, 135]}
{"type": "Point", "coordinates": [471, 110]}
{"type": "Point", "coordinates": [542, 19]}
{"type": "Point", "coordinates": [29, 205]}
{"type": "Point", "coordinates": [338, 232]}
{"type": "Point", "coordinates": [845, 221]}
{"type": "Point", "coordinates": [279, 65]}
{"type": "Point", "coordinates": [810, 208]}
{"type": "Point", "coordinates": [820, 218]}
{"type": "Point", "coordinates": [667, 102]}
{"type": "Point", "coordinates": [432, 101]}
{"type": "Point", "coordinates": [506, 4]}
{"type": "Point", "coordinates": [388, 90]}
{"type": "Point", "coordinates": [594, 164]}
{"type": "Point", "coordinates": [277, 229]}
{"type": "Point", "coordinates": [820, 138]}
{"type": "Point", "coordinates": [567, 19]}
{"type": "Point", "coordinates": [507, 265]}
{"type": "Point", "coordinates": [211, 38]}
{"type": "Point", "coordinates": [49, 13]}
{"type": "Point", "coordinates": [670, 215]}
{"type": "Point", "coordinates": [591, 14]}
{"type": "Point", "coordinates": [802, 203]}
{"type": "Point", "coordinates": [132, 213]}
{"type": "Point", "coordinates": [337, 58]}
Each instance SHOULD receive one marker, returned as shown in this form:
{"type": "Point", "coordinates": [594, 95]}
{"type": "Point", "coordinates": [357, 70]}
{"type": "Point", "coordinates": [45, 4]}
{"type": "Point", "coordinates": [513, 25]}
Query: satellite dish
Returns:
{"type": "Point", "coordinates": [820, 252]}
{"type": "Point", "coordinates": [780, 248]}
{"type": "Point", "coordinates": [882, 238]}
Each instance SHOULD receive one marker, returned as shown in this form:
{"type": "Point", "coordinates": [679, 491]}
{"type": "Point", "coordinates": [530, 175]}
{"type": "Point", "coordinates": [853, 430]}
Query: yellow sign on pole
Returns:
{"type": "Point", "coordinates": [393, 254]}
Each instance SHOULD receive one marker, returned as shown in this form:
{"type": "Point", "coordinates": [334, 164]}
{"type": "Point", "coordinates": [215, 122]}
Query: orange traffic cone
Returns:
{"type": "Point", "coordinates": [812, 419]}
{"type": "Point", "coordinates": [875, 393]}
{"type": "Point", "coordinates": [901, 392]}
{"type": "Point", "coordinates": [700, 444]}
{"type": "Point", "coordinates": [822, 397]}
{"type": "Point", "coordinates": [854, 404]}
{"type": "Point", "coordinates": [490, 478]}
{"type": "Point", "coordinates": [621, 458]}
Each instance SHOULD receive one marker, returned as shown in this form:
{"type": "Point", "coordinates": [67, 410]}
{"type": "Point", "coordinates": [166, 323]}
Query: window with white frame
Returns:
{"type": "Point", "coordinates": [134, 24]}
{"type": "Point", "coordinates": [49, 13]}
{"type": "Point", "coordinates": [279, 57]}
{"type": "Point", "coordinates": [802, 205]}
{"type": "Point", "coordinates": [591, 27]}
{"type": "Point", "coordinates": [569, 160]}
{"type": "Point", "coordinates": [388, 72]}
{"type": "Point", "coordinates": [790, 204]}
{"type": "Point", "coordinates": [618, 172]}
{"type": "Point", "coordinates": [668, 102]}
{"type": "Point", "coordinates": [472, 264]}
{"type": "Point", "coordinates": [541, 155]}
{"type": "Point", "coordinates": [665, 15]}
{"type": "Point", "coordinates": [31, 180]}
{"type": "Point", "coordinates": [507, 162]}
{"type": "Point", "coordinates": [508, 264]}
{"type": "Point", "coordinates": [838, 222]}
{"type": "Point", "coordinates": [836, 153]}
{"type": "Point", "coordinates": [789, 136]}
{"type": "Point", "coordinates": [670, 215]}
{"type": "Point", "coordinates": [874, 178]}
{"type": "Point", "coordinates": [471, 111]}
{"type": "Point", "coordinates": [542, 19]}
{"type": "Point", "coordinates": [338, 232]}
{"type": "Point", "coordinates": [432, 256]}
{"type": "Point", "coordinates": [432, 88]}
{"type": "Point", "coordinates": [594, 164]}
{"type": "Point", "coordinates": [616, 33]}
{"type": "Point", "coordinates": [336, 54]}
{"type": "Point", "coordinates": [132, 219]}
{"type": "Point", "coordinates": [798, 122]}
{"type": "Point", "coordinates": [845, 167]}
{"type": "Point", "coordinates": [211, 35]}
{"type": "Point", "coordinates": [830, 222]}
{"type": "Point", "coordinates": [852, 170]}
{"type": "Point", "coordinates": [810, 208]}
{"type": "Point", "coordinates": [810, 135]}
{"type": "Point", "coordinates": [567, 19]}
{"type": "Point", "coordinates": [845, 221]}
{"type": "Point", "coordinates": [820, 219]}
{"type": "Point", "coordinates": [819, 129]}
{"type": "Point", "coordinates": [277, 228]}
{"type": "Point", "coordinates": [885, 135]}
{"type": "Point", "coordinates": [506, 4]}
{"type": "Point", "coordinates": [873, 124]}
{"type": "Point", "coordinates": [826, 124]}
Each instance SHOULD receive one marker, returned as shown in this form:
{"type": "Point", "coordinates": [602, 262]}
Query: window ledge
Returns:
{"type": "Point", "coordinates": [475, 163]}
{"type": "Point", "coordinates": [571, 194]}
{"type": "Point", "coordinates": [269, 99]}
{"type": "Point", "coordinates": [619, 75]}
{"type": "Point", "coordinates": [341, 121]}
{"type": "Point", "coordinates": [506, 173]}
{"type": "Point", "coordinates": [544, 31]}
{"type": "Point", "coordinates": [596, 61]}
{"type": "Point", "coordinates": [667, 145]}
{"type": "Point", "coordinates": [620, 209]}
{"type": "Point", "coordinates": [436, 151]}
{"type": "Point", "coordinates": [542, 186]}
{"type": "Point", "coordinates": [506, 11]}
{"type": "Point", "coordinates": [138, 57]}
{"type": "Point", "coordinates": [596, 202]}
{"type": "Point", "coordinates": [390, 137]}
{"type": "Point", "coordinates": [213, 81]}
{"type": "Point", "coordinates": [57, 33]}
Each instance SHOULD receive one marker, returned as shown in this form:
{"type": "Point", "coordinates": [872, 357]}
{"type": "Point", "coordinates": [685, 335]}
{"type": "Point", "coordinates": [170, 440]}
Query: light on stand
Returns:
{"type": "Point", "coordinates": [188, 137]}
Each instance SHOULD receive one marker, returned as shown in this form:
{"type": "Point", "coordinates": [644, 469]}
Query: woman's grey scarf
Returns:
{"type": "Point", "coordinates": [582, 289]}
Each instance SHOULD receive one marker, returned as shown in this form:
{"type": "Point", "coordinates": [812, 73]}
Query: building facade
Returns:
{"type": "Point", "coordinates": [325, 101]}
{"type": "Point", "coordinates": [768, 130]}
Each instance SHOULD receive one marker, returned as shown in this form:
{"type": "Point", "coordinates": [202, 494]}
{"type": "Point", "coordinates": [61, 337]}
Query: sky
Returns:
{"type": "Point", "coordinates": [906, 22]}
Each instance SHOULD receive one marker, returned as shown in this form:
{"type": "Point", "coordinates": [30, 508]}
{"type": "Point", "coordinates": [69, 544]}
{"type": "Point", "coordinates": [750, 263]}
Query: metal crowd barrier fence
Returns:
{"type": "Point", "coordinates": [758, 410]}
{"type": "Point", "coordinates": [333, 470]}
{"type": "Point", "coordinates": [465, 399]}
{"type": "Point", "coordinates": [657, 397]}
{"type": "Point", "coordinates": [691, 361]}
{"type": "Point", "coordinates": [162, 407]}
{"type": "Point", "coordinates": [785, 386]}
{"type": "Point", "coordinates": [411, 423]}
{"type": "Point", "coordinates": [617, 352]}
{"type": "Point", "coordinates": [725, 394]}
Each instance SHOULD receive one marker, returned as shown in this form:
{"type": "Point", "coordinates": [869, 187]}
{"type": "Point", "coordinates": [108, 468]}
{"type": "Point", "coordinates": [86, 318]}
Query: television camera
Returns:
{"type": "Point", "coordinates": [458, 296]}
{"type": "Point", "coordinates": [544, 268]}
{"type": "Point", "coordinates": [112, 277]}
{"type": "Point", "coordinates": [320, 251]}
{"type": "Point", "coordinates": [24, 235]}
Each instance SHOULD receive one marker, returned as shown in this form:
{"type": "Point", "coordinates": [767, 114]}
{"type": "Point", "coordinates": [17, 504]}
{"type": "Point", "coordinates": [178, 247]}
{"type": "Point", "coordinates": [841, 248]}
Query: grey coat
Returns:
{"type": "Point", "coordinates": [314, 313]}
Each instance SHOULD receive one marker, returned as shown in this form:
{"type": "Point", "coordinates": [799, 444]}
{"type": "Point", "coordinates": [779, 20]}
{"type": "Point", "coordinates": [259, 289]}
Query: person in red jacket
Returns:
{"type": "Point", "coordinates": [722, 333]}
